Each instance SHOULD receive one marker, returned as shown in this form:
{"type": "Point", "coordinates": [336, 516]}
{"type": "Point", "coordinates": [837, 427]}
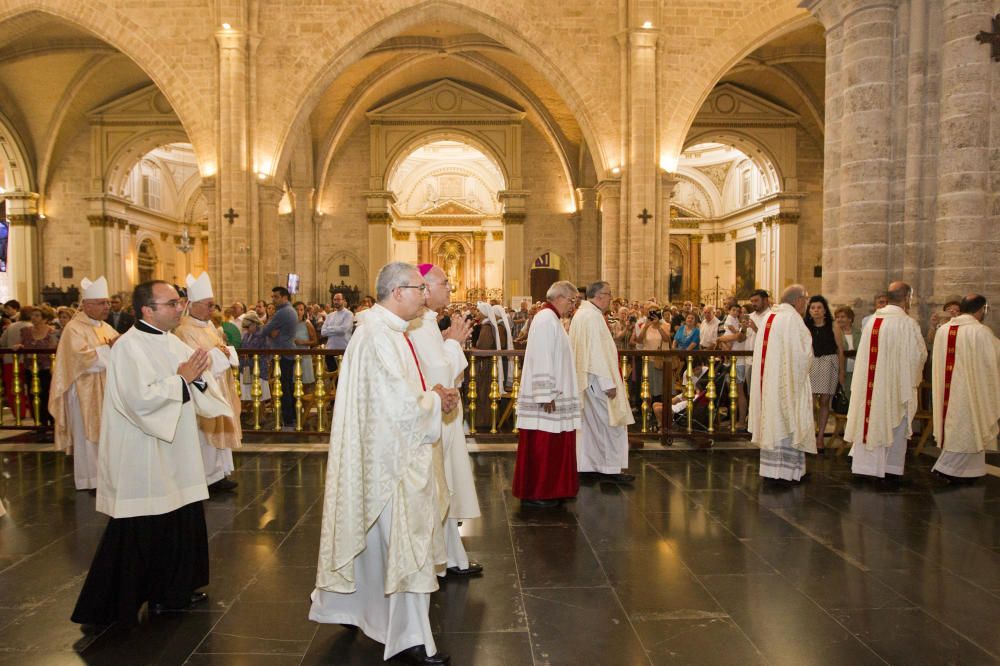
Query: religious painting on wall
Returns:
{"type": "Point", "coordinates": [746, 268]}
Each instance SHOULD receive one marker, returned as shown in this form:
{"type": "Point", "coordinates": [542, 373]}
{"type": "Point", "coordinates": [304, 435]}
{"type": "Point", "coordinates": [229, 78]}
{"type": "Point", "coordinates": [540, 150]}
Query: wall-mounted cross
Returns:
{"type": "Point", "coordinates": [231, 215]}
{"type": "Point", "coordinates": [992, 38]}
{"type": "Point", "coordinates": [645, 216]}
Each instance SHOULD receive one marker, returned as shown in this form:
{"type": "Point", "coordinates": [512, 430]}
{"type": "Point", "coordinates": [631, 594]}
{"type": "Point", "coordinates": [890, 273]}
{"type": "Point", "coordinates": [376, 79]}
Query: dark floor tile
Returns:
{"type": "Point", "coordinates": [476, 604]}
{"type": "Point", "coordinates": [277, 512]}
{"type": "Point", "coordinates": [487, 649]}
{"type": "Point", "coordinates": [243, 660]}
{"type": "Point", "coordinates": [165, 639]}
{"type": "Point", "coordinates": [555, 556]}
{"type": "Point", "coordinates": [910, 636]}
{"type": "Point", "coordinates": [706, 640]}
{"type": "Point", "coordinates": [300, 547]}
{"type": "Point", "coordinates": [655, 585]}
{"type": "Point", "coordinates": [262, 627]}
{"type": "Point", "coordinates": [245, 551]}
{"type": "Point", "coordinates": [285, 583]}
{"type": "Point", "coordinates": [336, 645]}
{"type": "Point", "coordinates": [46, 627]}
{"type": "Point", "coordinates": [705, 545]}
{"type": "Point", "coordinates": [580, 626]}
{"type": "Point", "coordinates": [612, 523]}
{"type": "Point", "coordinates": [59, 566]}
{"type": "Point", "coordinates": [40, 658]}
{"type": "Point", "coordinates": [490, 533]}
{"type": "Point", "coordinates": [784, 624]}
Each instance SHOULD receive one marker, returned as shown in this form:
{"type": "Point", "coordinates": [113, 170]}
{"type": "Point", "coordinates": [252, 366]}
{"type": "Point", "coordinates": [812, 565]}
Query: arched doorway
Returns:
{"type": "Point", "coordinates": [545, 270]}
{"type": "Point", "coordinates": [147, 261]}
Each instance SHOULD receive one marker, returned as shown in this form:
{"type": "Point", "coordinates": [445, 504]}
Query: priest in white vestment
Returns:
{"type": "Point", "coordinates": [888, 368]}
{"type": "Point", "coordinates": [602, 440]}
{"type": "Point", "coordinates": [966, 386]}
{"type": "Point", "coordinates": [548, 407]}
{"type": "Point", "coordinates": [781, 405]}
{"type": "Point", "coordinates": [150, 478]}
{"type": "Point", "coordinates": [219, 436]}
{"type": "Point", "coordinates": [443, 362]}
{"type": "Point", "coordinates": [381, 539]}
{"type": "Point", "coordinates": [76, 396]}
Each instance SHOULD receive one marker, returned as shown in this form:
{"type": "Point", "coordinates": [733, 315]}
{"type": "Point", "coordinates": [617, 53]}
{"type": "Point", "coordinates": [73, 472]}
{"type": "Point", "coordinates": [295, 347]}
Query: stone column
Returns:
{"type": "Point", "coordinates": [303, 255]}
{"type": "Point", "coordinates": [132, 263]}
{"type": "Point", "coordinates": [696, 240]}
{"type": "Point", "coordinates": [609, 192]}
{"type": "Point", "coordinates": [379, 232]}
{"type": "Point", "coordinates": [515, 279]}
{"type": "Point", "coordinates": [965, 236]}
{"type": "Point", "coordinates": [640, 170]}
{"type": "Point", "coordinates": [424, 247]}
{"type": "Point", "coordinates": [102, 256]}
{"type": "Point", "coordinates": [479, 256]}
{"type": "Point", "coordinates": [269, 270]}
{"type": "Point", "coordinates": [235, 259]}
{"type": "Point", "coordinates": [858, 144]}
{"type": "Point", "coordinates": [661, 252]}
{"type": "Point", "coordinates": [23, 258]}
{"type": "Point", "coordinates": [587, 247]}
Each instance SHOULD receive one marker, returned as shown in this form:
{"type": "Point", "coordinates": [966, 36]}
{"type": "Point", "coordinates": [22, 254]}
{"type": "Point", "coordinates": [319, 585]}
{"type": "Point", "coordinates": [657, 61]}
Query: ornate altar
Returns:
{"type": "Point", "coordinates": [350, 293]}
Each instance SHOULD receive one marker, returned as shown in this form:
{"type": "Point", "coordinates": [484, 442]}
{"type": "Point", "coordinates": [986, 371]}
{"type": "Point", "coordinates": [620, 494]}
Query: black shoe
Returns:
{"type": "Point", "coordinates": [196, 598]}
{"type": "Point", "coordinates": [94, 629]}
{"type": "Point", "coordinates": [474, 569]}
{"type": "Point", "coordinates": [620, 478]}
{"type": "Point", "coordinates": [540, 504]}
{"type": "Point", "coordinates": [417, 656]}
{"type": "Point", "coordinates": [223, 484]}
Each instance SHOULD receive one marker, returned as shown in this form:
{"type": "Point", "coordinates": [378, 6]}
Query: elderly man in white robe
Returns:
{"type": "Point", "coordinates": [150, 479]}
{"type": "Point", "coordinates": [76, 396]}
{"type": "Point", "coordinates": [781, 407]}
{"type": "Point", "coordinates": [602, 440]}
{"type": "Point", "coordinates": [966, 386]}
{"type": "Point", "coordinates": [443, 361]}
{"type": "Point", "coordinates": [221, 435]}
{"type": "Point", "coordinates": [382, 536]}
{"type": "Point", "coordinates": [548, 407]}
{"type": "Point", "coordinates": [889, 366]}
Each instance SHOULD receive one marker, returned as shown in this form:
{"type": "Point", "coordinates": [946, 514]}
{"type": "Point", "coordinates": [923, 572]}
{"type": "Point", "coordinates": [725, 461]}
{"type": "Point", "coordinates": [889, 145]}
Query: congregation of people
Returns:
{"type": "Point", "coordinates": [144, 399]}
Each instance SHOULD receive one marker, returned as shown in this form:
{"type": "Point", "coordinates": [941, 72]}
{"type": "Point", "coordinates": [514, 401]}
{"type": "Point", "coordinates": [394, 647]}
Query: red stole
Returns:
{"type": "Point", "coordinates": [763, 348]}
{"type": "Point", "coordinates": [949, 369]}
{"type": "Point", "coordinates": [414, 352]}
{"type": "Point", "coordinates": [872, 362]}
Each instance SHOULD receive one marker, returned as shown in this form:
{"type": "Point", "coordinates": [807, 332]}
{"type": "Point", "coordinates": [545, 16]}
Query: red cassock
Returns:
{"type": "Point", "coordinates": [546, 465]}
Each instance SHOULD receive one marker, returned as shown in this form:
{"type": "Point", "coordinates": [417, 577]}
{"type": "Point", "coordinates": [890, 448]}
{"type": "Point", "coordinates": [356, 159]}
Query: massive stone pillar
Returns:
{"type": "Point", "coordinates": [479, 257]}
{"type": "Point", "coordinates": [965, 240]}
{"type": "Point", "coordinates": [661, 250]}
{"type": "Point", "coordinates": [379, 232]}
{"type": "Point", "coordinates": [269, 270]}
{"type": "Point", "coordinates": [424, 247]}
{"type": "Point", "coordinates": [696, 282]}
{"type": "Point", "coordinates": [641, 165]}
{"type": "Point", "coordinates": [515, 279]}
{"type": "Point", "coordinates": [587, 247]}
{"type": "Point", "coordinates": [303, 245]}
{"type": "Point", "coordinates": [609, 192]}
{"type": "Point", "coordinates": [23, 256]}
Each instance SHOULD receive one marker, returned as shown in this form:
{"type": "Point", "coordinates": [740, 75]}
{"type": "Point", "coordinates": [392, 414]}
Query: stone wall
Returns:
{"type": "Point", "coordinates": [66, 234]}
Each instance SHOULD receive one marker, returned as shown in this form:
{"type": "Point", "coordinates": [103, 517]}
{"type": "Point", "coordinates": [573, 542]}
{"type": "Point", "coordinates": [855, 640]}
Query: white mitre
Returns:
{"type": "Point", "coordinates": [94, 290]}
{"type": "Point", "coordinates": [200, 289]}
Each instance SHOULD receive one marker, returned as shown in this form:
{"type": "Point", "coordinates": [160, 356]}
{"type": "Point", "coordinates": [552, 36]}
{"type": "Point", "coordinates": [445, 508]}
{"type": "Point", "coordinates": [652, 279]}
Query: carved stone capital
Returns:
{"type": "Point", "coordinates": [400, 235]}
{"type": "Point", "coordinates": [105, 220]}
{"type": "Point", "coordinates": [498, 235]}
{"type": "Point", "coordinates": [379, 217]}
{"type": "Point", "coordinates": [716, 238]}
{"type": "Point", "coordinates": [513, 218]}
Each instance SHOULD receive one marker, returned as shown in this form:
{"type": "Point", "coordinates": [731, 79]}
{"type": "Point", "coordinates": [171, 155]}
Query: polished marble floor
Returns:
{"type": "Point", "coordinates": [697, 563]}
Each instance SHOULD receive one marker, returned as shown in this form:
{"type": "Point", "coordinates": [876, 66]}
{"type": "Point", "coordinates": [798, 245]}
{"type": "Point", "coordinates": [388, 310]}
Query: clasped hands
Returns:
{"type": "Point", "coordinates": [449, 397]}
{"type": "Point", "coordinates": [196, 364]}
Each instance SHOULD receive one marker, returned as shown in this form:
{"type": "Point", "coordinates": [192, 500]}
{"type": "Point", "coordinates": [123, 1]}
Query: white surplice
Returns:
{"type": "Point", "coordinates": [380, 470]}
{"type": "Point", "coordinates": [602, 439]}
{"type": "Point", "coordinates": [781, 411]}
{"type": "Point", "coordinates": [969, 428]}
{"type": "Point", "coordinates": [548, 374]}
{"type": "Point", "coordinates": [150, 460]}
{"type": "Point", "coordinates": [892, 382]}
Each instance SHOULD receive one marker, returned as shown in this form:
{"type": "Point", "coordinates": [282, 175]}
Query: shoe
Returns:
{"type": "Point", "coordinates": [196, 598]}
{"type": "Point", "coordinates": [540, 504]}
{"type": "Point", "coordinates": [223, 484]}
{"type": "Point", "coordinates": [417, 656]}
{"type": "Point", "coordinates": [474, 569]}
{"type": "Point", "coordinates": [94, 629]}
{"type": "Point", "coordinates": [620, 478]}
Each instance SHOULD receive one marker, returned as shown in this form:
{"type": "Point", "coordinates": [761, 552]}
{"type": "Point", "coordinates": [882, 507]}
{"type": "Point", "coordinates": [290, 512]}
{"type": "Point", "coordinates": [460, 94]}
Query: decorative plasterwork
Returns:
{"type": "Point", "coordinates": [731, 105]}
{"type": "Point", "coordinates": [717, 173]}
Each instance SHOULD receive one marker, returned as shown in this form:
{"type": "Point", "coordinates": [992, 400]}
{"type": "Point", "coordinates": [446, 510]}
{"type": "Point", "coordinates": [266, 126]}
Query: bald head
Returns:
{"type": "Point", "coordinates": [438, 289]}
{"type": "Point", "coordinates": [899, 292]}
{"type": "Point", "coordinates": [796, 296]}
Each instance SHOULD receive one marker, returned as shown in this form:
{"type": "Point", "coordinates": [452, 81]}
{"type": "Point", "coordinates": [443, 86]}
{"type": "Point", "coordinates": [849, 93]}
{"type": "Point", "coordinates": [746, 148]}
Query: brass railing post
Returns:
{"type": "Point", "coordinates": [256, 391]}
{"type": "Point", "coordinates": [710, 394]}
{"type": "Point", "coordinates": [276, 391]}
{"type": "Point", "coordinates": [235, 373]}
{"type": "Point", "coordinates": [644, 394]}
{"type": "Point", "coordinates": [472, 395]}
{"type": "Point", "coordinates": [625, 371]}
{"type": "Point", "coordinates": [733, 393]}
{"type": "Point", "coordinates": [515, 389]}
{"type": "Point", "coordinates": [319, 393]}
{"type": "Point", "coordinates": [3, 390]}
{"type": "Point", "coordinates": [689, 392]}
{"type": "Point", "coordinates": [36, 390]}
{"type": "Point", "coordinates": [297, 392]}
{"type": "Point", "coordinates": [494, 393]}
{"type": "Point", "coordinates": [17, 390]}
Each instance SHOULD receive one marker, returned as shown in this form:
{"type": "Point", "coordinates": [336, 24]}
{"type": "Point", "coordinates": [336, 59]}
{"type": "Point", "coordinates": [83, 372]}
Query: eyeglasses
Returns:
{"type": "Point", "coordinates": [170, 304]}
{"type": "Point", "coordinates": [421, 287]}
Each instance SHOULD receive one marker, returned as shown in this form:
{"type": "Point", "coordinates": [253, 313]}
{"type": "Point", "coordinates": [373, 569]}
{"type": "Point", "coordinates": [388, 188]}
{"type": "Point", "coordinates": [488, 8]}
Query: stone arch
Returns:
{"type": "Point", "coordinates": [360, 281]}
{"type": "Point", "coordinates": [759, 152]}
{"type": "Point", "coordinates": [124, 157]}
{"type": "Point", "coordinates": [452, 12]}
{"type": "Point", "coordinates": [19, 174]}
{"type": "Point", "coordinates": [468, 136]}
{"type": "Point", "coordinates": [100, 18]}
{"type": "Point", "coordinates": [748, 33]}
{"type": "Point", "coordinates": [148, 265]}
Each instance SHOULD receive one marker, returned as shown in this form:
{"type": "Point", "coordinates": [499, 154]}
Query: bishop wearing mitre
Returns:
{"type": "Point", "coordinates": [76, 396]}
{"type": "Point", "coordinates": [966, 385]}
{"type": "Point", "coordinates": [887, 374]}
{"type": "Point", "coordinates": [781, 405]}
{"type": "Point", "coordinates": [381, 540]}
{"type": "Point", "coordinates": [219, 435]}
{"type": "Point", "coordinates": [602, 440]}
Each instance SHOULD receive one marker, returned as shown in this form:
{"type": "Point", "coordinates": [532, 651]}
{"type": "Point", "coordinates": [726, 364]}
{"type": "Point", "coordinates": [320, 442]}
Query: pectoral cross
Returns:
{"type": "Point", "coordinates": [231, 215]}
{"type": "Point", "coordinates": [992, 38]}
{"type": "Point", "coordinates": [645, 216]}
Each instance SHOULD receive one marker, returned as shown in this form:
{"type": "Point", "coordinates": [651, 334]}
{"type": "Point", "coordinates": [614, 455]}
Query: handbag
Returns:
{"type": "Point", "coordinates": [841, 400]}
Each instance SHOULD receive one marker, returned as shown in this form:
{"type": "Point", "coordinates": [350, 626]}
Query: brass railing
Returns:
{"type": "Point", "coordinates": [22, 388]}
